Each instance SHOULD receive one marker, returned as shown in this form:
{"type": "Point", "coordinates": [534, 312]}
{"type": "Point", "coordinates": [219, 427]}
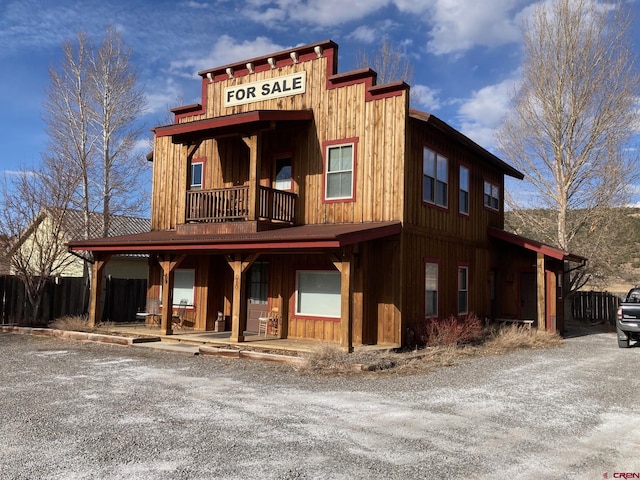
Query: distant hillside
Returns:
{"type": "Point", "coordinates": [619, 269]}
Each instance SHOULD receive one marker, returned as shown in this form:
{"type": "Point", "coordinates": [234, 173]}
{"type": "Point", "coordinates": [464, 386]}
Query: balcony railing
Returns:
{"type": "Point", "coordinates": [232, 204]}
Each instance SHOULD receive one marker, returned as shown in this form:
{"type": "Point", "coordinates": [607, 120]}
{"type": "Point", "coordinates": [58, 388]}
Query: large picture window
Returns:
{"type": "Point", "coordinates": [339, 172]}
{"type": "Point", "coordinates": [183, 284]}
{"type": "Point", "coordinates": [435, 178]}
{"type": "Point", "coordinates": [463, 290]}
{"type": "Point", "coordinates": [318, 293]}
{"type": "Point", "coordinates": [431, 289]}
{"type": "Point", "coordinates": [491, 195]}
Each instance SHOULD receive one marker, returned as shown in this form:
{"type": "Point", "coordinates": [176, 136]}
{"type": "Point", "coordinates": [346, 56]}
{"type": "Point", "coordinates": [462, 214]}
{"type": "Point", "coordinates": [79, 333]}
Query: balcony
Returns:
{"type": "Point", "coordinates": [233, 204]}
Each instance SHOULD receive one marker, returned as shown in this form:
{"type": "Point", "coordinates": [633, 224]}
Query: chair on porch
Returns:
{"type": "Point", "coordinates": [180, 315]}
{"type": "Point", "coordinates": [151, 314]}
{"type": "Point", "coordinates": [269, 322]}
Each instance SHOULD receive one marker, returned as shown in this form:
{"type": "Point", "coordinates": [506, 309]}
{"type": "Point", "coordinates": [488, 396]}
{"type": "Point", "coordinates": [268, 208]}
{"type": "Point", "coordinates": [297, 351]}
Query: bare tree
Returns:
{"type": "Point", "coordinates": [91, 112]}
{"type": "Point", "coordinates": [33, 216]}
{"type": "Point", "coordinates": [571, 123]}
{"type": "Point", "coordinates": [117, 102]}
{"type": "Point", "coordinates": [389, 62]}
{"type": "Point", "coordinates": [67, 116]}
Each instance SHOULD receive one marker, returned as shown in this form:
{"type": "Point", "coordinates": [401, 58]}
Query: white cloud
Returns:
{"type": "Point", "coordinates": [226, 50]}
{"type": "Point", "coordinates": [458, 25]}
{"type": "Point", "coordinates": [192, 4]}
{"type": "Point", "coordinates": [316, 12]}
{"type": "Point", "coordinates": [162, 97]}
{"type": "Point", "coordinates": [425, 97]}
{"type": "Point", "coordinates": [365, 34]}
{"type": "Point", "coordinates": [482, 113]}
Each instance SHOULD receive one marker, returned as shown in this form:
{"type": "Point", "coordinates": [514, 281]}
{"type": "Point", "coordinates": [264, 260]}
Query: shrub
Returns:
{"type": "Point", "coordinates": [513, 337]}
{"type": "Point", "coordinates": [76, 323]}
{"type": "Point", "coordinates": [449, 331]}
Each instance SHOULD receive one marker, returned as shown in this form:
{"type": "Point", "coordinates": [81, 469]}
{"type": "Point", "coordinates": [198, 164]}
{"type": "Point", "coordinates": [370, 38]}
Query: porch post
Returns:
{"type": "Point", "coordinates": [255, 168]}
{"type": "Point", "coordinates": [95, 305]}
{"type": "Point", "coordinates": [168, 263]}
{"type": "Point", "coordinates": [345, 266]}
{"type": "Point", "coordinates": [541, 290]}
{"type": "Point", "coordinates": [238, 307]}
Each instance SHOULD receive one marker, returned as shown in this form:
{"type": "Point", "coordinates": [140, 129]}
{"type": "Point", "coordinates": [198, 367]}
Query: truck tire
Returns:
{"type": "Point", "coordinates": [623, 338]}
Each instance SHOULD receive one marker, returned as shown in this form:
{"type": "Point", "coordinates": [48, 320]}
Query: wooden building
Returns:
{"type": "Point", "coordinates": [324, 196]}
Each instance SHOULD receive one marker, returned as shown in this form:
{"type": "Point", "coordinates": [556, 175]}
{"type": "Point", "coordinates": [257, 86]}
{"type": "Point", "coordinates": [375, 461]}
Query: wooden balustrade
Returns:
{"type": "Point", "coordinates": [232, 204]}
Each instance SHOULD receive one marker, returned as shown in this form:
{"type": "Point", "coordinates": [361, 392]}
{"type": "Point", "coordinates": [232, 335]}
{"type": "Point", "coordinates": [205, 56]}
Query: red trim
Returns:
{"type": "Point", "coordinates": [325, 147]}
{"type": "Point", "coordinates": [234, 120]}
{"type": "Point", "coordinates": [534, 245]}
{"type": "Point", "coordinates": [292, 307]}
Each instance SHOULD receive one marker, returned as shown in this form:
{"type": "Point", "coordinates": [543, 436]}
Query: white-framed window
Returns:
{"type": "Point", "coordinates": [464, 190]}
{"type": "Point", "coordinates": [318, 293]}
{"type": "Point", "coordinates": [431, 289]}
{"type": "Point", "coordinates": [491, 195]}
{"type": "Point", "coordinates": [435, 178]}
{"type": "Point", "coordinates": [463, 290]}
{"type": "Point", "coordinates": [339, 172]}
{"type": "Point", "coordinates": [183, 284]}
{"type": "Point", "coordinates": [196, 175]}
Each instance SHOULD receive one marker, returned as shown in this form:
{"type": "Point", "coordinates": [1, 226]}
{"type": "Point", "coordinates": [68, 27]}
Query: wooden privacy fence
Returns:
{"type": "Point", "coordinates": [595, 307]}
{"type": "Point", "coordinates": [70, 296]}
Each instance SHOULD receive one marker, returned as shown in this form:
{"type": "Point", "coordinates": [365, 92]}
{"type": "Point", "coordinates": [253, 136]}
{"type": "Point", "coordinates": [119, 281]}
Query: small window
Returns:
{"type": "Point", "coordinates": [464, 191]}
{"type": "Point", "coordinates": [463, 290]}
{"type": "Point", "coordinates": [318, 293]}
{"type": "Point", "coordinates": [196, 175]}
{"type": "Point", "coordinates": [491, 195]}
{"type": "Point", "coordinates": [431, 289]}
{"type": "Point", "coordinates": [339, 174]}
{"type": "Point", "coordinates": [435, 183]}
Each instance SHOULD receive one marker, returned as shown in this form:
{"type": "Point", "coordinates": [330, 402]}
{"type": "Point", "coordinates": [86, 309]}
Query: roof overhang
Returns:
{"type": "Point", "coordinates": [535, 246]}
{"type": "Point", "coordinates": [245, 123]}
{"type": "Point", "coordinates": [306, 237]}
{"type": "Point", "coordinates": [463, 139]}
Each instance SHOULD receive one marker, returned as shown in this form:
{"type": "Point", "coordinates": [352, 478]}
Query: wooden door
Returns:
{"type": "Point", "coordinates": [528, 296]}
{"type": "Point", "coordinates": [257, 291]}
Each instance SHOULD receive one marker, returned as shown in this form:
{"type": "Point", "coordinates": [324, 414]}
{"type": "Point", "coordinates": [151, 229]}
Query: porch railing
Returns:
{"type": "Point", "coordinates": [232, 204]}
{"type": "Point", "coordinates": [277, 204]}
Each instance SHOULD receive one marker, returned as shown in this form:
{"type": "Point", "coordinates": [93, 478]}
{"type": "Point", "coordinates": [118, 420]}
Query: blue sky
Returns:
{"type": "Point", "coordinates": [465, 53]}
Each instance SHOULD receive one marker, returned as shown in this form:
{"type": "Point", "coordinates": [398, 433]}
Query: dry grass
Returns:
{"type": "Point", "coordinates": [330, 358]}
{"type": "Point", "coordinates": [75, 323]}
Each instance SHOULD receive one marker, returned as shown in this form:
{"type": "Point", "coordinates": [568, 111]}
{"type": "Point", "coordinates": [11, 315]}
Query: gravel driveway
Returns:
{"type": "Point", "coordinates": [71, 410]}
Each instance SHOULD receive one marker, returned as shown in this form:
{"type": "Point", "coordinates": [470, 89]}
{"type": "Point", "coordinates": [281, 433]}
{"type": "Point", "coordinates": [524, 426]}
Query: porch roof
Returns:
{"type": "Point", "coordinates": [240, 123]}
{"type": "Point", "coordinates": [290, 238]}
{"type": "Point", "coordinates": [535, 246]}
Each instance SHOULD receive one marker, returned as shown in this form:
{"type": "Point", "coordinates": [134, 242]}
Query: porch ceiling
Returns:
{"type": "Point", "coordinates": [305, 237]}
{"type": "Point", "coordinates": [237, 124]}
{"type": "Point", "coordinates": [535, 246]}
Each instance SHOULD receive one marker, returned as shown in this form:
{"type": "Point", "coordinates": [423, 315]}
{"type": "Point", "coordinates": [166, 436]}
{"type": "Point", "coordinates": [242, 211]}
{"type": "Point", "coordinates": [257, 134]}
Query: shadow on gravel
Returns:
{"type": "Point", "coordinates": [575, 328]}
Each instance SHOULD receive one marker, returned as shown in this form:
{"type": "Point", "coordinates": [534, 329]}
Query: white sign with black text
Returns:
{"type": "Point", "coordinates": [266, 89]}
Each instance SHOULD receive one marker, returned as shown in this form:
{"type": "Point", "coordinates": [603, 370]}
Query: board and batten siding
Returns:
{"type": "Point", "coordinates": [342, 113]}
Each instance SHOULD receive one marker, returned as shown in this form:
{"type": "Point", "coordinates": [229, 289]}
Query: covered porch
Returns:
{"type": "Point", "coordinates": [222, 263]}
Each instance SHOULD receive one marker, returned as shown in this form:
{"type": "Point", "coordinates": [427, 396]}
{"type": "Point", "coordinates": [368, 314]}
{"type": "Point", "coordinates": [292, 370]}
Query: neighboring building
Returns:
{"type": "Point", "coordinates": [70, 265]}
{"type": "Point", "coordinates": [323, 195]}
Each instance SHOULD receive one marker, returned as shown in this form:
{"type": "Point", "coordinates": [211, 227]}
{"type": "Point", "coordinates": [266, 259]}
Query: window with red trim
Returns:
{"type": "Point", "coordinates": [339, 171]}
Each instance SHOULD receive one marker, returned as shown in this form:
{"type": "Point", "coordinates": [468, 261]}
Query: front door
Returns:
{"type": "Point", "coordinates": [257, 289]}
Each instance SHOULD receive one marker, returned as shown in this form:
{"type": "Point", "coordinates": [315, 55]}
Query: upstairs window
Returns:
{"type": "Point", "coordinates": [435, 182]}
{"type": "Point", "coordinates": [196, 174]}
{"type": "Point", "coordinates": [464, 191]}
{"type": "Point", "coordinates": [283, 175]}
{"type": "Point", "coordinates": [491, 195]}
{"type": "Point", "coordinates": [339, 174]}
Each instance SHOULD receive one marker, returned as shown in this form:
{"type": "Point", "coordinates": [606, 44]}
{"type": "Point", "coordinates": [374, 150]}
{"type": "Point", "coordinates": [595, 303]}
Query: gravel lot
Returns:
{"type": "Point", "coordinates": [73, 410]}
